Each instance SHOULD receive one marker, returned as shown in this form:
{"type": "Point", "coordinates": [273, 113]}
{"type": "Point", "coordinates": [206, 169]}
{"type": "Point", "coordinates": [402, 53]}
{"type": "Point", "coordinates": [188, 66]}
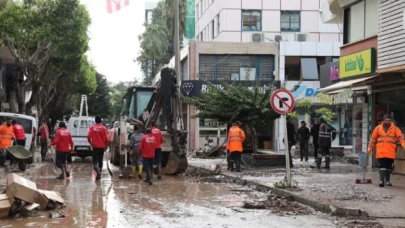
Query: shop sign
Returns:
{"type": "Point", "coordinates": [333, 73]}
{"type": "Point", "coordinates": [358, 63]}
{"type": "Point", "coordinates": [309, 92]}
{"type": "Point", "coordinates": [339, 98]}
{"type": "Point", "coordinates": [192, 88]}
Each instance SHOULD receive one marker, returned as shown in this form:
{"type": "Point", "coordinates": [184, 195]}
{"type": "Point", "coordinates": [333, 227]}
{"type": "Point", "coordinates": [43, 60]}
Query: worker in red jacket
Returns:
{"type": "Point", "coordinates": [64, 144]}
{"type": "Point", "coordinates": [98, 140]}
{"type": "Point", "coordinates": [158, 151]}
{"type": "Point", "coordinates": [147, 151]}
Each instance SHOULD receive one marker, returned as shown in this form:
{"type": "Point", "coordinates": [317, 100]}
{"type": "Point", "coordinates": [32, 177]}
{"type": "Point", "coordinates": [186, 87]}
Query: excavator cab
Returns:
{"type": "Point", "coordinates": [161, 105]}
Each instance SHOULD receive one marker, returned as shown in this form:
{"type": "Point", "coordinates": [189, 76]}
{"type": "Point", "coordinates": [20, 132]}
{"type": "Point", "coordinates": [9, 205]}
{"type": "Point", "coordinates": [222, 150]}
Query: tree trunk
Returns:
{"type": "Point", "coordinates": [254, 141]}
{"type": "Point", "coordinates": [13, 102]}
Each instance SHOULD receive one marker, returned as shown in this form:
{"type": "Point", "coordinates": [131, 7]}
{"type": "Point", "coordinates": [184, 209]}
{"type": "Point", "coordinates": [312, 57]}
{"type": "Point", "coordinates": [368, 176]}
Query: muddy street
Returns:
{"type": "Point", "coordinates": [175, 201]}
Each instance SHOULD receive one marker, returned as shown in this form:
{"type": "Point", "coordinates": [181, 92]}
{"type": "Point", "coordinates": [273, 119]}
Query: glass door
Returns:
{"type": "Point", "coordinates": [357, 129]}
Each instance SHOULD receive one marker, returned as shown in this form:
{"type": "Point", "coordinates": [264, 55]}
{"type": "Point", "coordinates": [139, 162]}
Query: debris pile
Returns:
{"type": "Point", "coordinates": [199, 172]}
{"type": "Point", "coordinates": [21, 196]}
{"type": "Point", "coordinates": [279, 205]}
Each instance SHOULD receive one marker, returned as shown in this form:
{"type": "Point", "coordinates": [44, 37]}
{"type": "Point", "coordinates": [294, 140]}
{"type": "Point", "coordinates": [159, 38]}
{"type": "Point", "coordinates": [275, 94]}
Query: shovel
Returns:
{"type": "Point", "coordinates": [126, 171]}
{"type": "Point", "coordinates": [363, 164]}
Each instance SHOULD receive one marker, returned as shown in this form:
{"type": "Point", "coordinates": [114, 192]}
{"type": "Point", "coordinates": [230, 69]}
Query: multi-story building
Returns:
{"type": "Point", "coordinates": [257, 40]}
{"type": "Point", "coordinates": [149, 6]}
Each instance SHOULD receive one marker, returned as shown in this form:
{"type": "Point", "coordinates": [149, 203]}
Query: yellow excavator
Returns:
{"type": "Point", "coordinates": [161, 104]}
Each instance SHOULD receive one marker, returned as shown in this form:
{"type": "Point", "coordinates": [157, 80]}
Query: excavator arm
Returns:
{"type": "Point", "coordinates": [164, 109]}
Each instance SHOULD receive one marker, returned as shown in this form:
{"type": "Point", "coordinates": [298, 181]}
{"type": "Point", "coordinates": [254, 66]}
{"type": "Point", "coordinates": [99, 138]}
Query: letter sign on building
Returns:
{"type": "Point", "coordinates": [358, 63]}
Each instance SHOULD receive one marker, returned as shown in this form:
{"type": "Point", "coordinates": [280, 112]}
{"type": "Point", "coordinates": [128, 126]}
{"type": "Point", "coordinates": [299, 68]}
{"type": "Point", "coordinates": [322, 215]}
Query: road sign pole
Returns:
{"type": "Point", "coordinates": [287, 152]}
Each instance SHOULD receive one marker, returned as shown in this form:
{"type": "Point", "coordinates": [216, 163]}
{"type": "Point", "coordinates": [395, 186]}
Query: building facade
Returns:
{"type": "Point", "coordinates": [258, 40]}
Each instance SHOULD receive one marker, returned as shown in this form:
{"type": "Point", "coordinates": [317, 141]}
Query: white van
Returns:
{"type": "Point", "coordinates": [29, 124]}
{"type": "Point", "coordinates": [79, 127]}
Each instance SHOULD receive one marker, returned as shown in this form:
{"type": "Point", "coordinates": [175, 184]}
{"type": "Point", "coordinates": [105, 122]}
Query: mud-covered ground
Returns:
{"type": "Point", "coordinates": [190, 200]}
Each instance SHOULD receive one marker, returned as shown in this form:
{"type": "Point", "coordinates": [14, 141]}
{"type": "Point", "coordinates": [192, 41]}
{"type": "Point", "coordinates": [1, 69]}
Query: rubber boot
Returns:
{"type": "Point", "coordinates": [318, 162]}
{"type": "Point", "coordinates": [327, 163]}
{"type": "Point", "coordinates": [388, 177]}
{"type": "Point", "coordinates": [2, 160]}
{"type": "Point", "coordinates": [133, 171]}
{"type": "Point", "coordinates": [159, 171]}
{"type": "Point", "coordinates": [382, 177]}
{"type": "Point", "coordinates": [66, 170]}
{"type": "Point", "coordinates": [231, 165]}
{"type": "Point", "coordinates": [140, 172]}
{"type": "Point", "coordinates": [62, 175]}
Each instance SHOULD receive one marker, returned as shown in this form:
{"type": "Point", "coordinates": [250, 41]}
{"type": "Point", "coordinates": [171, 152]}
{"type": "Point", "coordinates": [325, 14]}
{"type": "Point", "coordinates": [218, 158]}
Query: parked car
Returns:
{"type": "Point", "coordinates": [79, 127]}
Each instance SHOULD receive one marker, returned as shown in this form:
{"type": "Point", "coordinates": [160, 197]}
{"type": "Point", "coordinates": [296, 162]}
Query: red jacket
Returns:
{"type": "Point", "coordinates": [147, 146]}
{"type": "Point", "coordinates": [97, 136]}
{"type": "Point", "coordinates": [19, 132]}
{"type": "Point", "coordinates": [63, 140]}
{"type": "Point", "coordinates": [158, 135]}
{"type": "Point", "coordinates": [44, 131]}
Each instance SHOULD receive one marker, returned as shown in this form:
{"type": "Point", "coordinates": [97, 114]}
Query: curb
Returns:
{"type": "Point", "coordinates": [322, 207]}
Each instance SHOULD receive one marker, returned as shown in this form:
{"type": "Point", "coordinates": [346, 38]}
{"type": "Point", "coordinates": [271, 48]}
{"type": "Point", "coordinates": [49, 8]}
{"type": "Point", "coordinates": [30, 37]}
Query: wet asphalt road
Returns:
{"type": "Point", "coordinates": [174, 201]}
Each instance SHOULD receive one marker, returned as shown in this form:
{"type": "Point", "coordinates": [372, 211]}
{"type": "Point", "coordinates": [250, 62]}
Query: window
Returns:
{"type": "Point", "coordinates": [148, 17]}
{"type": "Point", "coordinates": [251, 20]}
{"type": "Point", "coordinates": [290, 21]}
{"type": "Point", "coordinates": [309, 69]}
{"type": "Point", "coordinates": [212, 29]}
{"type": "Point", "coordinates": [360, 21]}
{"type": "Point", "coordinates": [292, 68]}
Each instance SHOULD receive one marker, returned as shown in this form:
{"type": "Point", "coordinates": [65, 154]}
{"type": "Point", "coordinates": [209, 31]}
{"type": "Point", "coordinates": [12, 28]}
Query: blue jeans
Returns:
{"type": "Point", "coordinates": [158, 156]}
{"type": "Point", "coordinates": [148, 166]}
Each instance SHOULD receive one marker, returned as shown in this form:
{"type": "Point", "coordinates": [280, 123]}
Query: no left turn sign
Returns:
{"type": "Point", "coordinates": [282, 101]}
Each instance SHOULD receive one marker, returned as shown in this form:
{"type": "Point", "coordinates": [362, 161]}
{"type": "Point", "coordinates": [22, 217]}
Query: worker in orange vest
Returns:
{"type": "Point", "coordinates": [236, 136]}
{"type": "Point", "coordinates": [6, 136]}
{"type": "Point", "coordinates": [385, 138]}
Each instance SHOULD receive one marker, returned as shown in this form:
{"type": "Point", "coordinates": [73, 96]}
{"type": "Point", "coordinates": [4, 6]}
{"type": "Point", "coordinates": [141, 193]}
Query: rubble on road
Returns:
{"type": "Point", "coordinates": [22, 198]}
{"type": "Point", "coordinates": [281, 206]}
{"type": "Point", "coordinates": [199, 172]}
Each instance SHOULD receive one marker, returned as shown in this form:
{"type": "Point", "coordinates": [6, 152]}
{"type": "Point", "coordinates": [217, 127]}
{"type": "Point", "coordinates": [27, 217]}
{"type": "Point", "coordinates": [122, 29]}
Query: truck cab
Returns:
{"type": "Point", "coordinates": [79, 127]}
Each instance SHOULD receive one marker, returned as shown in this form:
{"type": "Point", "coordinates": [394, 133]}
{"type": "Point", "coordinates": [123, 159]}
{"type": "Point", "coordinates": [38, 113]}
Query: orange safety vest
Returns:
{"type": "Point", "coordinates": [236, 136]}
{"type": "Point", "coordinates": [6, 135]}
{"type": "Point", "coordinates": [386, 142]}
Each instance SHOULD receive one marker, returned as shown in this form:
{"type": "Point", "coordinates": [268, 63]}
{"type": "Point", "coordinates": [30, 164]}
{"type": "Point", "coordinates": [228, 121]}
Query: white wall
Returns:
{"type": "Point", "coordinates": [230, 19]}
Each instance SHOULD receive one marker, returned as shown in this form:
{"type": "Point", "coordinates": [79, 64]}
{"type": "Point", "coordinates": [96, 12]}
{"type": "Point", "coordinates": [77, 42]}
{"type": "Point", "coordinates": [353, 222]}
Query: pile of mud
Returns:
{"type": "Point", "coordinates": [199, 172]}
{"type": "Point", "coordinates": [279, 206]}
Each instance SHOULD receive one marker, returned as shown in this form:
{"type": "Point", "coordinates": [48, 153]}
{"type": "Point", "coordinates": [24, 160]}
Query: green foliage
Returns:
{"type": "Point", "coordinates": [157, 41]}
{"type": "Point", "coordinates": [236, 102]}
{"type": "Point", "coordinates": [99, 102]}
{"type": "Point", "coordinates": [305, 104]}
{"type": "Point", "coordinates": [327, 114]}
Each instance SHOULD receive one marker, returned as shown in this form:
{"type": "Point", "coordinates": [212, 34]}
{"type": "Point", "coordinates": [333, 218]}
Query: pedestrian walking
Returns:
{"type": "Point", "coordinates": [64, 144]}
{"type": "Point", "coordinates": [385, 138]}
{"type": "Point", "coordinates": [291, 136]}
{"type": "Point", "coordinates": [315, 137]}
{"type": "Point", "coordinates": [326, 136]}
{"type": "Point", "coordinates": [303, 137]}
{"type": "Point", "coordinates": [136, 159]}
{"type": "Point", "coordinates": [6, 136]}
{"type": "Point", "coordinates": [158, 151]}
{"type": "Point", "coordinates": [111, 136]}
{"type": "Point", "coordinates": [236, 136]}
{"type": "Point", "coordinates": [147, 151]}
{"type": "Point", "coordinates": [98, 139]}
{"type": "Point", "coordinates": [44, 136]}
{"type": "Point", "coordinates": [19, 133]}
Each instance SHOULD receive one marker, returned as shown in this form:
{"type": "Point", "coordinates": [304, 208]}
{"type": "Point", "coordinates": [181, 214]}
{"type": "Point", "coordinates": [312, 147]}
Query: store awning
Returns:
{"type": "Point", "coordinates": [343, 85]}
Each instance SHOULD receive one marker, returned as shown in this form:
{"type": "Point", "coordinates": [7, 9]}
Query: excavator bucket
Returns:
{"type": "Point", "coordinates": [175, 164]}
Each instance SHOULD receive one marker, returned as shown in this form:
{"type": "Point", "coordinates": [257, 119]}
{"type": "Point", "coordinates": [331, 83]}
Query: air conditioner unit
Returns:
{"type": "Point", "coordinates": [301, 37]}
{"type": "Point", "coordinates": [257, 37]}
{"type": "Point", "coordinates": [278, 38]}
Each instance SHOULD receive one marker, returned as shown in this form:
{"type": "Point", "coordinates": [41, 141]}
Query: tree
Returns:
{"type": "Point", "coordinates": [157, 41]}
{"type": "Point", "coordinates": [99, 102]}
{"type": "Point", "coordinates": [236, 102]}
{"type": "Point", "coordinates": [47, 39]}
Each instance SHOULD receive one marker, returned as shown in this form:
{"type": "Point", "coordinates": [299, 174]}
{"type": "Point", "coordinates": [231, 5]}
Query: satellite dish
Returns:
{"type": "Point", "coordinates": [278, 38]}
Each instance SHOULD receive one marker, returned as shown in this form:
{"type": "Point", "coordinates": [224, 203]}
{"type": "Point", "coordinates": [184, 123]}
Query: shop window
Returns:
{"type": "Point", "coordinates": [309, 69]}
{"type": "Point", "coordinates": [290, 21]}
{"type": "Point", "coordinates": [292, 68]}
{"type": "Point", "coordinates": [251, 20]}
{"type": "Point", "coordinates": [360, 21]}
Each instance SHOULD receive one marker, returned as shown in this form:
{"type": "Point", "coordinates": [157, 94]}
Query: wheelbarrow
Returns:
{"type": "Point", "coordinates": [20, 155]}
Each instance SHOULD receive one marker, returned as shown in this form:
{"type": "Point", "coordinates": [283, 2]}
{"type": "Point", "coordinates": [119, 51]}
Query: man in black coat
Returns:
{"type": "Point", "coordinates": [303, 137]}
{"type": "Point", "coordinates": [315, 136]}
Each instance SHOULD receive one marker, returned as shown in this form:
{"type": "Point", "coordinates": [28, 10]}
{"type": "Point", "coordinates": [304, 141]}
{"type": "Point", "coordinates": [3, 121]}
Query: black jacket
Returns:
{"type": "Point", "coordinates": [325, 135]}
{"type": "Point", "coordinates": [315, 133]}
{"type": "Point", "coordinates": [303, 134]}
{"type": "Point", "coordinates": [291, 132]}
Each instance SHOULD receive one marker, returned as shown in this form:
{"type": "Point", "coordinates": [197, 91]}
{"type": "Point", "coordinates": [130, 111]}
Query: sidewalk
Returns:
{"type": "Point", "coordinates": [335, 187]}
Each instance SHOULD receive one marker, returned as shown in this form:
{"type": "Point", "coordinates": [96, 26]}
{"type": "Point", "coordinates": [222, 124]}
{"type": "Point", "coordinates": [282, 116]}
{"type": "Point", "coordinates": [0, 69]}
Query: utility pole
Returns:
{"type": "Point", "coordinates": [176, 45]}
